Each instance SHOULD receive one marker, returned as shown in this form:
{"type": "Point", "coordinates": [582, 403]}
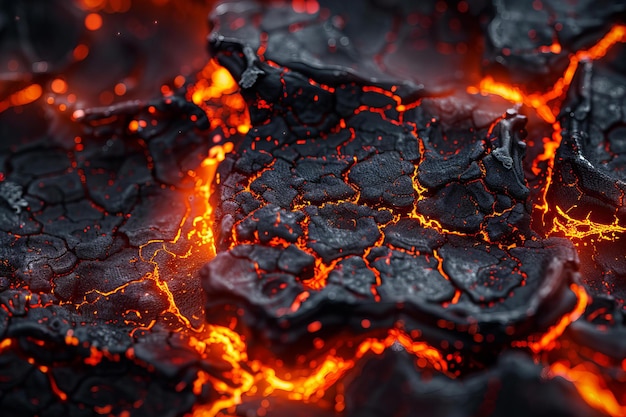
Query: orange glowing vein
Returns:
{"type": "Point", "coordinates": [333, 367]}
{"type": "Point", "coordinates": [200, 236]}
{"type": "Point", "coordinates": [591, 387]}
{"type": "Point", "coordinates": [255, 377]}
{"type": "Point", "coordinates": [155, 274]}
{"type": "Point", "coordinates": [214, 82]}
{"type": "Point", "coordinates": [579, 229]}
{"type": "Point", "coordinates": [200, 229]}
{"type": "Point", "coordinates": [541, 101]}
{"type": "Point", "coordinates": [324, 376]}
{"type": "Point", "coordinates": [431, 223]}
{"type": "Point", "coordinates": [22, 97]}
{"type": "Point", "coordinates": [549, 338]}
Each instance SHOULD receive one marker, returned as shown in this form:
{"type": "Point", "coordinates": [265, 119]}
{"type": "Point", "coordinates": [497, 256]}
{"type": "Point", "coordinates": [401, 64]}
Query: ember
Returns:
{"type": "Point", "coordinates": [345, 208]}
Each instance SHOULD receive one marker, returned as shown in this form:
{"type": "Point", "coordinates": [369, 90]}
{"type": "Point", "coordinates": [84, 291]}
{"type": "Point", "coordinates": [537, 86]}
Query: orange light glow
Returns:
{"type": "Point", "coordinates": [92, 4]}
{"type": "Point", "coordinates": [58, 86]}
{"type": "Point", "coordinates": [591, 387]}
{"type": "Point", "coordinates": [256, 378]}
{"type": "Point", "coordinates": [93, 21]}
{"type": "Point", "coordinates": [549, 338]}
{"type": "Point", "coordinates": [22, 97]}
{"type": "Point", "coordinates": [120, 89]}
{"type": "Point", "coordinates": [81, 52]}
{"type": "Point", "coordinates": [539, 101]}
{"type": "Point", "coordinates": [216, 92]}
{"type": "Point", "coordinates": [5, 344]}
{"type": "Point", "coordinates": [179, 81]}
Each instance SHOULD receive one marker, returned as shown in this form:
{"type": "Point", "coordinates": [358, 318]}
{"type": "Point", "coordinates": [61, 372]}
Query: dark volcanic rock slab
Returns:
{"type": "Point", "coordinates": [474, 184]}
{"type": "Point", "coordinates": [390, 385]}
{"type": "Point", "coordinates": [528, 43]}
{"type": "Point", "coordinates": [375, 251]}
{"type": "Point", "coordinates": [504, 296]}
{"type": "Point", "coordinates": [589, 181]}
{"type": "Point", "coordinates": [431, 233]}
{"type": "Point", "coordinates": [326, 40]}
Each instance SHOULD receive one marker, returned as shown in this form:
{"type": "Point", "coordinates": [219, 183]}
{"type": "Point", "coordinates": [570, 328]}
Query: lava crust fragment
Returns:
{"type": "Point", "coordinates": [423, 222]}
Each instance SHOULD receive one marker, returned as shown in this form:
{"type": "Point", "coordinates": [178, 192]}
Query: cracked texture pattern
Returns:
{"type": "Point", "coordinates": [378, 230]}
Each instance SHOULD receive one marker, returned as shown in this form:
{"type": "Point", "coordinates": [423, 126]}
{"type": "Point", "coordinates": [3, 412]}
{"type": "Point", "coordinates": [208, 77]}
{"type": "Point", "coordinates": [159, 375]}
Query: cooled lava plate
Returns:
{"type": "Point", "coordinates": [372, 208]}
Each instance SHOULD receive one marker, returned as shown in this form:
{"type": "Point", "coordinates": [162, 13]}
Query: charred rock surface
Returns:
{"type": "Point", "coordinates": [80, 293]}
{"type": "Point", "coordinates": [498, 301]}
{"type": "Point", "coordinates": [479, 187]}
{"type": "Point", "coordinates": [526, 42]}
{"type": "Point", "coordinates": [327, 42]}
{"type": "Point", "coordinates": [90, 220]}
{"type": "Point", "coordinates": [589, 164]}
{"type": "Point", "coordinates": [377, 244]}
{"type": "Point", "coordinates": [416, 210]}
{"type": "Point", "coordinates": [489, 392]}
{"type": "Point", "coordinates": [589, 181]}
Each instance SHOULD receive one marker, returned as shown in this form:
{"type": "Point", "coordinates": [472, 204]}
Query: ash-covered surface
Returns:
{"type": "Point", "coordinates": [382, 247]}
